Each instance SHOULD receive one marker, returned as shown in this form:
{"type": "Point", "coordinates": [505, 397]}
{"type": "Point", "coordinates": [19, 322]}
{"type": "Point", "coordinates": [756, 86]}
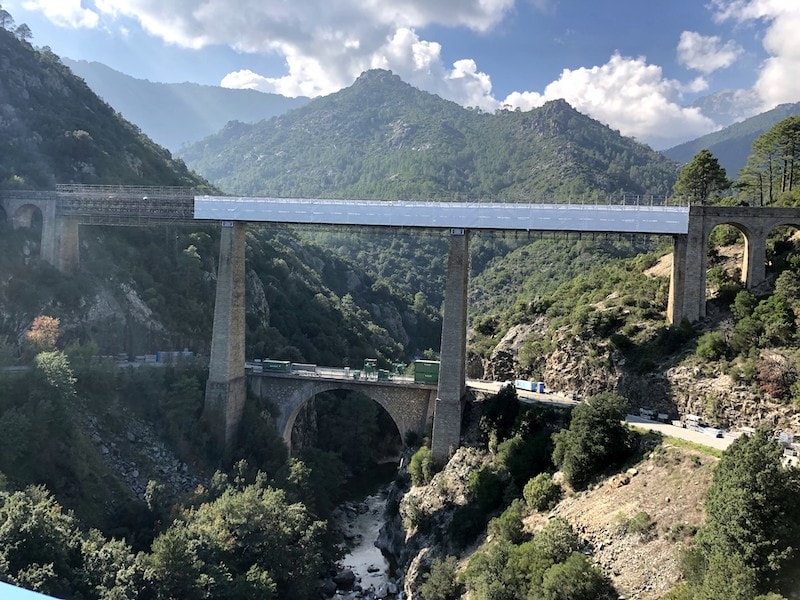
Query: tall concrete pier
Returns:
{"type": "Point", "coordinates": [226, 387]}
{"type": "Point", "coordinates": [452, 371]}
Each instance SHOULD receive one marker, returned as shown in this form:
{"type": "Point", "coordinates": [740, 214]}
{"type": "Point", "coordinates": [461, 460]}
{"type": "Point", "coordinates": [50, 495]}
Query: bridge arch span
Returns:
{"type": "Point", "coordinates": [756, 224]}
{"type": "Point", "coordinates": [410, 407]}
{"type": "Point", "coordinates": [32, 209]}
{"type": "Point", "coordinates": [28, 216]}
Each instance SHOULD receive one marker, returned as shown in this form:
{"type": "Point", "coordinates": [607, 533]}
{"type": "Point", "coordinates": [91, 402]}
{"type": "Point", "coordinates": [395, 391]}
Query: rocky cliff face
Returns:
{"type": "Point", "coordinates": [416, 534]}
{"type": "Point", "coordinates": [680, 386]}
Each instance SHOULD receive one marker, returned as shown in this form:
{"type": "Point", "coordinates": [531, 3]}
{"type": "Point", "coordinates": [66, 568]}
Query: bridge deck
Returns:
{"type": "Point", "coordinates": [466, 215]}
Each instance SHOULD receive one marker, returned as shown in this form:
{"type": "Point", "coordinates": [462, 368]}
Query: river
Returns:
{"type": "Point", "coordinates": [361, 522]}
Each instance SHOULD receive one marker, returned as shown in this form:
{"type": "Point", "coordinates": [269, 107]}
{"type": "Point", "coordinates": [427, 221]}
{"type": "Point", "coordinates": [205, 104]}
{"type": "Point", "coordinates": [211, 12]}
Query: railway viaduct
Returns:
{"type": "Point", "coordinates": [61, 213]}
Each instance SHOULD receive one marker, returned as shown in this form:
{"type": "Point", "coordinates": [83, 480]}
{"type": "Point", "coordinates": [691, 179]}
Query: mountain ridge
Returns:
{"type": "Point", "coordinates": [174, 114]}
{"type": "Point", "coordinates": [733, 144]}
{"type": "Point", "coordinates": [383, 138]}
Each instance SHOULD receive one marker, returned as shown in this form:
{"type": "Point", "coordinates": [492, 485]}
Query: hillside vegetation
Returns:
{"type": "Point", "coordinates": [175, 114]}
{"type": "Point", "coordinates": [381, 138]}
{"type": "Point", "coordinates": [55, 130]}
{"type": "Point", "coordinates": [588, 316]}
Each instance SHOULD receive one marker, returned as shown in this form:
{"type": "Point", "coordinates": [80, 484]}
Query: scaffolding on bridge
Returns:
{"type": "Point", "coordinates": [125, 205]}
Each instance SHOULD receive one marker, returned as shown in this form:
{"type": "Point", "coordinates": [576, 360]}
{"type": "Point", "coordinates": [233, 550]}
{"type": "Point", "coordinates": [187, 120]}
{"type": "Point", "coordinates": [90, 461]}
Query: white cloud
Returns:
{"type": "Point", "coordinates": [545, 6]}
{"type": "Point", "coordinates": [325, 45]}
{"type": "Point", "coordinates": [777, 80]}
{"type": "Point", "coordinates": [627, 94]}
{"type": "Point", "coordinates": [66, 13]}
{"type": "Point", "coordinates": [706, 53]}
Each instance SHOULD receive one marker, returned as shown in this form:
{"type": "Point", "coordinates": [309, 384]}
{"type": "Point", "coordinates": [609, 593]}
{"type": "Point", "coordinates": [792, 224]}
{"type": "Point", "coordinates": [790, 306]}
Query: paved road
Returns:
{"type": "Point", "coordinates": [680, 432]}
{"type": "Point", "coordinates": [559, 400]}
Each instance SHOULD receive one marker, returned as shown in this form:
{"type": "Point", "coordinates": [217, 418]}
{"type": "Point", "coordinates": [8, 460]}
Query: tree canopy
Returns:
{"type": "Point", "coordinates": [596, 438]}
{"type": "Point", "coordinates": [771, 170]}
{"type": "Point", "coordinates": [702, 178]}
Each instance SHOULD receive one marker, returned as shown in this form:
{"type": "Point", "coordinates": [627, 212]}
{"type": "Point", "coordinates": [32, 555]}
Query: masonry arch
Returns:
{"type": "Point", "coordinates": [728, 246]}
{"type": "Point", "coordinates": [28, 216]}
{"type": "Point", "coordinates": [410, 407]}
{"type": "Point", "coordinates": [378, 398]}
{"type": "Point", "coordinates": [353, 424]}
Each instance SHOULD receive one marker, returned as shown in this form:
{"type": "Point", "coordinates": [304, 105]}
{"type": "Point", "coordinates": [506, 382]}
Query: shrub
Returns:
{"type": "Point", "coordinates": [441, 582]}
{"type": "Point", "coordinates": [421, 467]}
{"type": "Point", "coordinates": [711, 345]}
{"type": "Point", "coordinates": [640, 524]}
{"type": "Point", "coordinates": [468, 521]}
{"type": "Point", "coordinates": [575, 579]}
{"type": "Point", "coordinates": [542, 493]}
{"type": "Point", "coordinates": [500, 413]}
{"type": "Point", "coordinates": [525, 455]}
{"type": "Point", "coordinates": [486, 487]}
{"type": "Point", "coordinates": [508, 526]}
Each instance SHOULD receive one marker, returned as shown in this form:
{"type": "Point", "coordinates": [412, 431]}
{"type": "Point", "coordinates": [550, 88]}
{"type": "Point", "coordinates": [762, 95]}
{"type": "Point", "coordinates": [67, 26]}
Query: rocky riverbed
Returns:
{"type": "Point", "coordinates": [364, 572]}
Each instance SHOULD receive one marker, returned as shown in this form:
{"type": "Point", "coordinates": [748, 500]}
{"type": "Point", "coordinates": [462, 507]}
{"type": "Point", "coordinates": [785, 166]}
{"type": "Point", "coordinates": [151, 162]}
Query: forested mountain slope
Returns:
{"type": "Point", "coordinates": [732, 145]}
{"type": "Point", "coordinates": [53, 129]}
{"type": "Point", "coordinates": [382, 138]}
{"type": "Point", "coordinates": [145, 290]}
{"type": "Point", "coordinates": [174, 114]}
{"type": "Point", "coordinates": [140, 290]}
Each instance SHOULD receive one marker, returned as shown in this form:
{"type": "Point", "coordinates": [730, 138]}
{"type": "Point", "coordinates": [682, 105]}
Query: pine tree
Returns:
{"type": "Point", "coordinates": [702, 178]}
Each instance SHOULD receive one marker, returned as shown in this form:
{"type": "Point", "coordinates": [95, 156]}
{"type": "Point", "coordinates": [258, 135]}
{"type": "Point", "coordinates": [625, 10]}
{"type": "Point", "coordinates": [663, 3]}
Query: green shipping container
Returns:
{"type": "Point", "coordinates": [276, 366]}
{"type": "Point", "coordinates": [426, 371]}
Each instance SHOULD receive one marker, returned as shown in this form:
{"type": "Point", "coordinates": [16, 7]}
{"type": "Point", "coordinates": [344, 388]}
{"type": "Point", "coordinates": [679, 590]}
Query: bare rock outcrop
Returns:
{"type": "Point", "coordinates": [503, 364]}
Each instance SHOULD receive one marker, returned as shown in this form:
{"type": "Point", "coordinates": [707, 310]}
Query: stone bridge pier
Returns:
{"type": "Point", "coordinates": [690, 259]}
{"type": "Point", "coordinates": [410, 406]}
{"type": "Point", "coordinates": [21, 209]}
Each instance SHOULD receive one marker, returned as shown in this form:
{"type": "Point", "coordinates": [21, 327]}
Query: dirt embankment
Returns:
{"type": "Point", "coordinates": [635, 523]}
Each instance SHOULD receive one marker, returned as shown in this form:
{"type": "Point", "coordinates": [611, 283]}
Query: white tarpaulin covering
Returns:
{"type": "Point", "coordinates": [467, 215]}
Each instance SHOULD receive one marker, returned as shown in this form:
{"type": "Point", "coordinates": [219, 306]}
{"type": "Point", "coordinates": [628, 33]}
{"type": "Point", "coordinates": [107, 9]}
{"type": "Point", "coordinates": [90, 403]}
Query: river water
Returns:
{"type": "Point", "coordinates": [361, 521]}
{"type": "Point", "coordinates": [364, 559]}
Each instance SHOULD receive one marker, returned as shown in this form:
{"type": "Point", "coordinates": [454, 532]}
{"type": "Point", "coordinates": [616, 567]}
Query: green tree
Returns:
{"type": "Point", "coordinates": [248, 543]}
{"type": "Point", "coordinates": [508, 526]}
{"type": "Point", "coordinates": [421, 467]}
{"type": "Point", "coordinates": [441, 582]}
{"type": "Point", "coordinates": [6, 20]}
{"type": "Point", "coordinates": [711, 345]}
{"type": "Point", "coordinates": [53, 372]}
{"type": "Point", "coordinates": [575, 579]}
{"type": "Point", "coordinates": [23, 33]}
{"type": "Point", "coordinates": [40, 545]}
{"type": "Point", "coordinates": [595, 439]}
{"type": "Point", "coordinates": [701, 178]}
{"type": "Point", "coordinates": [744, 304]}
{"type": "Point", "coordinates": [751, 508]}
{"type": "Point", "coordinates": [772, 167]}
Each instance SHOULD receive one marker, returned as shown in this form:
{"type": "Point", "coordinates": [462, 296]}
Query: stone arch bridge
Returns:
{"type": "Point", "coordinates": [410, 405]}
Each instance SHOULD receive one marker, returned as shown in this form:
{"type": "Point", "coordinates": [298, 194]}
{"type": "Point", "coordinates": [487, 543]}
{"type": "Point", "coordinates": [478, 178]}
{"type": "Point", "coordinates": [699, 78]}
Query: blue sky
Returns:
{"type": "Point", "coordinates": [633, 64]}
